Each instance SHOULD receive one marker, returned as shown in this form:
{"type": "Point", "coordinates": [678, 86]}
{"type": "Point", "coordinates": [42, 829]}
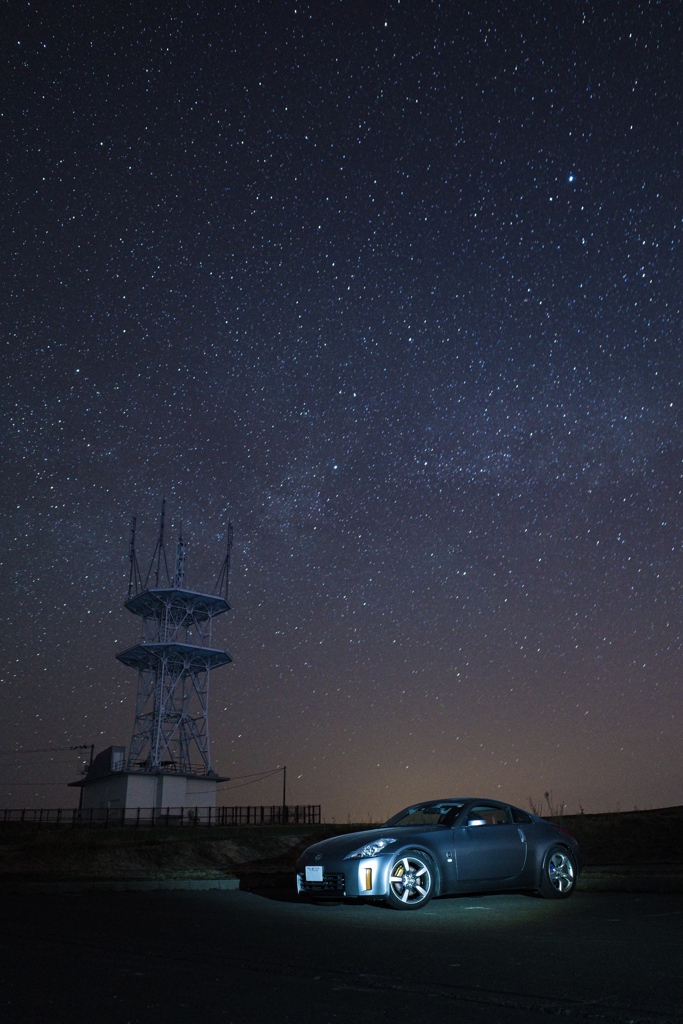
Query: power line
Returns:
{"type": "Point", "coordinates": [226, 789]}
{"type": "Point", "coordinates": [13, 764]}
{"type": "Point", "coordinates": [261, 777]}
{"type": "Point", "coordinates": [11, 784]}
{"type": "Point", "coordinates": [46, 750]}
{"type": "Point", "coordinates": [264, 773]}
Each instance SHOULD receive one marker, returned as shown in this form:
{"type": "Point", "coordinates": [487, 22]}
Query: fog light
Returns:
{"type": "Point", "coordinates": [368, 878]}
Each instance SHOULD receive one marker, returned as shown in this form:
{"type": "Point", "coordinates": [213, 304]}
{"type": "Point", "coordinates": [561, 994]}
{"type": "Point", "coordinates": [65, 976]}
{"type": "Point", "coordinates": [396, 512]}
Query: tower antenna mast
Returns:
{"type": "Point", "coordinates": [179, 575]}
{"type": "Point", "coordinates": [224, 577]}
{"type": "Point", "coordinates": [134, 579]}
{"type": "Point", "coordinates": [159, 552]}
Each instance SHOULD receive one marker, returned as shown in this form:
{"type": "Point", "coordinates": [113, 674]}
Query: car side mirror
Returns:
{"type": "Point", "coordinates": [476, 821]}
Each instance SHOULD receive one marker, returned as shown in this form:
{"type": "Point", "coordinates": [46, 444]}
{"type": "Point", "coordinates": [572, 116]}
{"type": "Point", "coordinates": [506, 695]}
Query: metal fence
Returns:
{"type": "Point", "coordinates": [160, 817]}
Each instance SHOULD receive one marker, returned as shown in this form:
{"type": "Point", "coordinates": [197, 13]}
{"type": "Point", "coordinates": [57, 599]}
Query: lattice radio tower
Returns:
{"type": "Point", "coordinates": [174, 660]}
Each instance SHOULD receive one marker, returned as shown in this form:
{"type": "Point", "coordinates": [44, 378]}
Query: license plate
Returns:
{"type": "Point", "coordinates": [314, 873]}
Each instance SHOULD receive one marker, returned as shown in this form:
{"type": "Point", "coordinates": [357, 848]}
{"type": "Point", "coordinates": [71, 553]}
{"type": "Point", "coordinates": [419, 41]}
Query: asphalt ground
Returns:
{"type": "Point", "coordinates": [236, 957]}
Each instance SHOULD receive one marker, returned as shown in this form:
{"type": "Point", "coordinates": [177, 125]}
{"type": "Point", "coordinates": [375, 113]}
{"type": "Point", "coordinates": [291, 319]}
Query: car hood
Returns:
{"type": "Point", "coordinates": [340, 846]}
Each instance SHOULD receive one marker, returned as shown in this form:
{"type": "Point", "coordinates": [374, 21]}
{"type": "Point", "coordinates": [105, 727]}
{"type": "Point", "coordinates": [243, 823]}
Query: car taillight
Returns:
{"type": "Point", "coordinates": [565, 830]}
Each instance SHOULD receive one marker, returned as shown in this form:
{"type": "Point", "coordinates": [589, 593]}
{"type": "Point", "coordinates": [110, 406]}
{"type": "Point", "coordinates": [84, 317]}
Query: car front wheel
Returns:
{"type": "Point", "coordinates": [411, 881]}
{"type": "Point", "coordinates": [558, 877]}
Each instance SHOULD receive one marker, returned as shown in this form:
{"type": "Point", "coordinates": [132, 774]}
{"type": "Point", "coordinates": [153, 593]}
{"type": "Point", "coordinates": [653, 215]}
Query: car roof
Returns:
{"type": "Point", "coordinates": [463, 800]}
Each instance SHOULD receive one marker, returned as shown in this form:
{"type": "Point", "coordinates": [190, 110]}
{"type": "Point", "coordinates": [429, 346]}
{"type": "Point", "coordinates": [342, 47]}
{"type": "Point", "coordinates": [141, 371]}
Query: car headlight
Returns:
{"type": "Point", "coordinates": [370, 849]}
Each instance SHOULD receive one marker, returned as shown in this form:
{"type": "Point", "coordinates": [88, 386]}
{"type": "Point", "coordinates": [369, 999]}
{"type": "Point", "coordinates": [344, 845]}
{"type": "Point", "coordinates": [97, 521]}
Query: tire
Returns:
{"type": "Point", "coordinates": [412, 881]}
{"type": "Point", "coordinates": [558, 875]}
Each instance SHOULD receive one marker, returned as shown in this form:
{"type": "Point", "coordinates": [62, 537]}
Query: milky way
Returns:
{"type": "Point", "coordinates": [396, 289]}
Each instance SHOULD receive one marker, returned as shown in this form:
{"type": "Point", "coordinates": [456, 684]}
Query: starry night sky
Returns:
{"type": "Point", "coordinates": [396, 288]}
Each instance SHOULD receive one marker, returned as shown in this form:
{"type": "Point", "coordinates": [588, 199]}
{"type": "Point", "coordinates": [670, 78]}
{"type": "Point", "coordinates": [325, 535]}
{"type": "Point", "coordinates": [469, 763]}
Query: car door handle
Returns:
{"type": "Point", "coordinates": [521, 835]}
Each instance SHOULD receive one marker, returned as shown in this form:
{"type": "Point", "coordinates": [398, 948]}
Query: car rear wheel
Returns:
{"type": "Point", "coordinates": [411, 881]}
{"type": "Point", "coordinates": [558, 877]}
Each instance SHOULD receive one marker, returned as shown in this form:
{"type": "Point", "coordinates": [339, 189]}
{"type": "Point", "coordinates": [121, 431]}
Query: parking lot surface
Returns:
{"type": "Point", "coordinates": [237, 957]}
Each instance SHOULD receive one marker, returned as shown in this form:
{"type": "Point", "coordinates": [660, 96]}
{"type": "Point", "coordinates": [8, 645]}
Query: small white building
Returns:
{"type": "Point", "coordinates": [111, 792]}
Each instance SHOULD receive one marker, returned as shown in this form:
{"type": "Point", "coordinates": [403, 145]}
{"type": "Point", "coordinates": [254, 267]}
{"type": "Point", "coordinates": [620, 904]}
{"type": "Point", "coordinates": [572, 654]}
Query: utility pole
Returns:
{"type": "Point", "coordinates": [80, 795]}
{"type": "Point", "coordinates": [284, 795]}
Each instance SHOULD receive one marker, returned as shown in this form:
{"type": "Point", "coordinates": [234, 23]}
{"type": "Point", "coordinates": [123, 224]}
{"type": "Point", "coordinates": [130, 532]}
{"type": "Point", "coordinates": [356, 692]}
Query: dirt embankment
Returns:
{"type": "Point", "coordinates": [160, 853]}
{"type": "Point", "coordinates": [635, 837]}
{"type": "Point", "coordinates": [628, 837]}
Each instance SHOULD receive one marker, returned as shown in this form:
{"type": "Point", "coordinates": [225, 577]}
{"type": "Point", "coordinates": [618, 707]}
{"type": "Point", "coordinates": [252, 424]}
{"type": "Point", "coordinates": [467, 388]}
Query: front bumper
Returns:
{"type": "Point", "coordinates": [332, 886]}
{"type": "Point", "coordinates": [368, 877]}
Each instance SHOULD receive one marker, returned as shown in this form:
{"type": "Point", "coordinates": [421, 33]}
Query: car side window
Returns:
{"type": "Point", "coordinates": [488, 815]}
{"type": "Point", "coordinates": [521, 817]}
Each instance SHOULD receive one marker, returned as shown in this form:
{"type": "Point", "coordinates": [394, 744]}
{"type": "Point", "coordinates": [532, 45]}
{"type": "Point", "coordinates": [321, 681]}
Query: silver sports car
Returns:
{"type": "Point", "coordinates": [443, 846]}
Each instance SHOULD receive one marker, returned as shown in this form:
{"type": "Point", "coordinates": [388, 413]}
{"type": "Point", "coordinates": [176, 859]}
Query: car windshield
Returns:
{"type": "Point", "coordinates": [442, 813]}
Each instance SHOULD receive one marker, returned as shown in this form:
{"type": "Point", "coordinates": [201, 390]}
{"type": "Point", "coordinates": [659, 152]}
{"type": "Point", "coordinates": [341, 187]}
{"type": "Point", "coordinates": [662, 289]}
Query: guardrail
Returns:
{"type": "Point", "coordinates": [159, 817]}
